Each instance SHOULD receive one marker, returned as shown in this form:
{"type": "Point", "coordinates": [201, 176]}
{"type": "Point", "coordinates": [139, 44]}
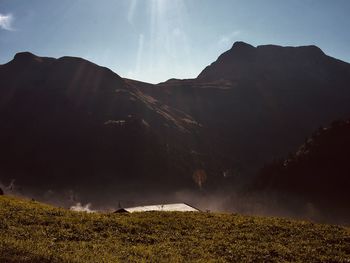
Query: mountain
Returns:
{"type": "Point", "coordinates": [70, 124]}
{"type": "Point", "coordinates": [256, 103]}
{"type": "Point", "coordinates": [244, 62]}
{"type": "Point", "coordinates": [318, 171]}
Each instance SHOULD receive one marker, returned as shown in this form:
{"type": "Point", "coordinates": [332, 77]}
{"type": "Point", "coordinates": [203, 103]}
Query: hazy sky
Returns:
{"type": "Point", "coordinates": [154, 40]}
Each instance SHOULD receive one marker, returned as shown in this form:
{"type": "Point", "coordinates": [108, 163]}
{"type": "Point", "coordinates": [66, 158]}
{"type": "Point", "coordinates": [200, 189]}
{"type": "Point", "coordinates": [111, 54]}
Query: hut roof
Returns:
{"type": "Point", "coordinates": [180, 207]}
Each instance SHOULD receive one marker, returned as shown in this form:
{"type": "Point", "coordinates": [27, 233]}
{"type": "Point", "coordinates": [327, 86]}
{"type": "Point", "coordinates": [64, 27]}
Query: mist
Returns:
{"type": "Point", "coordinates": [257, 203]}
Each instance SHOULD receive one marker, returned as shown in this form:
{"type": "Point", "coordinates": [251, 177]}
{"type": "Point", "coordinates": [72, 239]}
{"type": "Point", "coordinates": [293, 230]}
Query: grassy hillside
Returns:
{"type": "Point", "coordinates": [34, 232]}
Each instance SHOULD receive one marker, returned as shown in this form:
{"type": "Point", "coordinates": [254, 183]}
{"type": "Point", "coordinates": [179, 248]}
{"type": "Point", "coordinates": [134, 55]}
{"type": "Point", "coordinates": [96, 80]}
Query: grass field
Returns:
{"type": "Point", "coordinates": [34, 232]}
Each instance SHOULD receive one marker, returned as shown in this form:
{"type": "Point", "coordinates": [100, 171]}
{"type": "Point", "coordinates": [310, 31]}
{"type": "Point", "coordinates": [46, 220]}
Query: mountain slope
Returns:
{"type": "Point", "coordinates": [34, 232]}
{"type": "Point", "coordinates": [318, 171]}
{"type": "Point", "coordinates": [254, 103]}
{"type": "Point", "coordinates": [68, 123]}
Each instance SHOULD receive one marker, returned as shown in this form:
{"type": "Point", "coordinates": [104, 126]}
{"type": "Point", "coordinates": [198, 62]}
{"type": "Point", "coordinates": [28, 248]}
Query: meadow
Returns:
{"type": "Point", "coordinates": [34, 232]}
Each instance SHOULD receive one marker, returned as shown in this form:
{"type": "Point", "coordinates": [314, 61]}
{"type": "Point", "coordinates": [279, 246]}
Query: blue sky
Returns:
{"type": "Point", "coordinates": [154, 40]}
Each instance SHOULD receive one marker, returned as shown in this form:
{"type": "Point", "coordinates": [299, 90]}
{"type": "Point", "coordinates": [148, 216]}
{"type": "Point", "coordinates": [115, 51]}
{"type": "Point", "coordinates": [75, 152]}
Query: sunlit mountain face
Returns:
{"type": "Point", "coordinates": [161, 100]}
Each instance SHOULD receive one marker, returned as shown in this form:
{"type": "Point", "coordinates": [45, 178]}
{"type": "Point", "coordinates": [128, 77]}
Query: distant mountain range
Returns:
{"type": "Point", "coordinates": [70, 124]}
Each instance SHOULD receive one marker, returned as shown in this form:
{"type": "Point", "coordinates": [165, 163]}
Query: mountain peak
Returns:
{"type": "Point", "coordinates": [244, 61]}
{"type": "Point", "coordinates": [240, 49]}
{"type": "Point", "coordinates": [241, 45]}
{"type": "Point", "coordinates": [25, 56]}
{"type": "Point", "coordinates": [312, 49]}
{"type": "Point", "coordinates": [28, 57]}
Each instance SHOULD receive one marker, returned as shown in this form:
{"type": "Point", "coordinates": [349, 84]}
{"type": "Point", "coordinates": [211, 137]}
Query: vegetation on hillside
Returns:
{"type": "Point", "coordinates": [34, 232]}
{"type": "Point", "coordinates": [319, 170]}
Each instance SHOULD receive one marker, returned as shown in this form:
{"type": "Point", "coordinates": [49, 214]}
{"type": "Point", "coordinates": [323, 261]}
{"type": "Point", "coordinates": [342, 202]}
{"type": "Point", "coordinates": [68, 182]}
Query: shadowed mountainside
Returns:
{"type": "Point", "coordinates": [318, 171]}
{"type": "Point", "coordinates": [257, 103]}
{"type": "Point", "coordinates": [70, 124]}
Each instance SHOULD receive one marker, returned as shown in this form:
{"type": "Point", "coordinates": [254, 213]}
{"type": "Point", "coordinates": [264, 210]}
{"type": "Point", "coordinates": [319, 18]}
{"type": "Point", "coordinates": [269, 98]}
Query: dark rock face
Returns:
{"type": "Point", "coordinates": [68, 123]}
{"type": "Point", "coordinates": [1, 192]}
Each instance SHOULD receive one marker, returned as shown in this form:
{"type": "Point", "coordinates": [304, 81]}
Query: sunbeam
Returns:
{"type": "Point", "coordinates": [131, 12]}
{"type": "Point", "coordinates": [167, 40]}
